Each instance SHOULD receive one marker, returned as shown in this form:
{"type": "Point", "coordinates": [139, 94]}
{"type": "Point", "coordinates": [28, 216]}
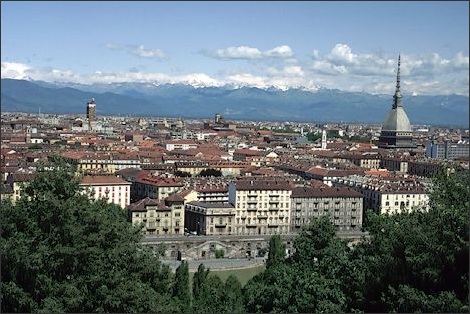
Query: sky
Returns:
{"type": "Point", "coordinates": [351, 46]}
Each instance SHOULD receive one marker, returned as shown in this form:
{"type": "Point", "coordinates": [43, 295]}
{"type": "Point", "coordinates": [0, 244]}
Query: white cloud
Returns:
{"type": "Point", "coordinates": [279, 52]}
{"type": "Point", "coordinates": [286, 71]}
{"type": "Point", "coordinates": [140, 51]}
{"type": "Point", "coordinates": [241, 52]}
{"type": "Point", "coordinates": [342, 53]}
{"type": "Point", "coordinates": [137, 50]}
{"type": "Point", "coordinates": [112, 46]}
{"type": "Point", "coordinates": [249, 53]}
{"type": "Point", "coordinates": [14, 70]}
{"type": "Point", "coordinates": [340, 68]}
{"type": "Point", "coordinates": [325, 67]}
{"type": "Point", "coordinates": [460, 61]}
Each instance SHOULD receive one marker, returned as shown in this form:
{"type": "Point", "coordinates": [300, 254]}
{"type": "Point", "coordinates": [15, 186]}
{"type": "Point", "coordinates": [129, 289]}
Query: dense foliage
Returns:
{"type": "Point", "coordinates": [412, 262]}
{"type": "Point", "coordinates": [210, 173]}
{"type": "Point", "coordinates": [62, 252]}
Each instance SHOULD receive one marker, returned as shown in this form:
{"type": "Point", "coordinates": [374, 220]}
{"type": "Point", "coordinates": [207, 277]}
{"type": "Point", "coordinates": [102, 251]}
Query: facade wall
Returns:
{"type": "Point", "coordinates": [160, 221]}
{"type": "Point", "coordinates": [115, 194]}
{"type": "Point", "coordinates": [262, 211]}
{"type": "Point", "coordinates": [346, 213]}
{"type": "Point", "coordinates": [208, 219]}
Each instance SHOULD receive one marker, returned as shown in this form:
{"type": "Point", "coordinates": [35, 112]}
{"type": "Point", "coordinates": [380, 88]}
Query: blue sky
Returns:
{"type": "Point", "coordinates": [346, 45]}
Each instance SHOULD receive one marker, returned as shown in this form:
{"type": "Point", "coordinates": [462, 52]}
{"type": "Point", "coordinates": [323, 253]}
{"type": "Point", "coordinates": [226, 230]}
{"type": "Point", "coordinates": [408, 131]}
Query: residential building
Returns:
{"type": "Point", "coordinates": [262, 206]}
{"type": "Point", "coordinates": [344, 206]}
{"type": "Point", "coordinates": [388, 195]}
{"type": "Point", "coordinates": [447, 150]}
{"type": "Point", "coordinates": [115, 190]}
{"type": "Point", "coordinates": [210, 218]}
{"type": "Point", "coordinates": [156, 187]}
{"type": "Point", "coordinates": [156, 217]}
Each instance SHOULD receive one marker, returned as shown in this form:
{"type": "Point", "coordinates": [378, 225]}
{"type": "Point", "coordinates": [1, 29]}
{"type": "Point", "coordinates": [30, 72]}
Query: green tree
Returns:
{"type": "Point", "coordinates": [62, 252]}
{"type": "Point", "coordinates": [233, 300]}
{"type": "Point", "coordinates": [210, 173]}
{"type": "Point", "coordinates": [276, 251]}
{"type": "Point", "coordinates": [418, 261]}
{"type": "Point", "coordinates": [181, 286]}
{"type": "Point", "coordinates": [312, 137]}
{"type": "Point", "coordinates": [199, 279]}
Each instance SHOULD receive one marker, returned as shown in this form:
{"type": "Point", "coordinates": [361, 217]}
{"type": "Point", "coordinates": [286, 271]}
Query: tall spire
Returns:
{"type": "Point", "coordinates": [397, 98]}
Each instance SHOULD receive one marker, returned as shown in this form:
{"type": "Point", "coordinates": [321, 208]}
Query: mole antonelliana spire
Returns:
{"type": "Point", "coordinates": [396, 130]}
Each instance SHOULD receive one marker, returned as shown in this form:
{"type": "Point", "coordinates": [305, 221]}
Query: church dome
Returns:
{"type": "Point", "coordinates": [397, 120]}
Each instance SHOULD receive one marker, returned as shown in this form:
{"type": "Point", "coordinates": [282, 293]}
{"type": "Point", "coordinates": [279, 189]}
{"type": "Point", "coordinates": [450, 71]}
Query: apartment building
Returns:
{"type": "Point", "coordinates": [388, 195]}
{"type": "Point", "coordinates": [210, 218]}
{"type": "Point", "coordinates": [181, 145]}
{"type": "Point", "coordinates": [447, 149]}
{"type": "Point", "coordinates": [365, 160]}
{"type": "Point", "coordinates": [103, 162]}
{"type": "Point", "coordinates": [17, 181]}
{"type": "Point", "coordinates": [212, 194]}
{"type": "Point", "coordinates": [262, 206]}
{"type": "Point", "coordinates": [344, 206]}
{"type": "Point", "coordinates": [397, 164]}
{"type": "Point", "coordinates": [115, 190]}
{"type": "Point", "coordinates": [156, 187]}
{"type": "Point", "coordinates": [156, 217]}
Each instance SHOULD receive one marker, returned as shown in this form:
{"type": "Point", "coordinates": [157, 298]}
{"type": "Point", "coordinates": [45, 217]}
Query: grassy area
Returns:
{"type": "Point", "coordinates": [243, 274]}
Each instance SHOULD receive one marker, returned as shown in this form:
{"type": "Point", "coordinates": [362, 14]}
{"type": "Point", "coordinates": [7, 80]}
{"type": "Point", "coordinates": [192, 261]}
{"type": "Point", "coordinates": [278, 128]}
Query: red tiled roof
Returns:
{"type": "Point", "coordinates": [324, 192]}
{"type": "Point", "coordinates": [103, 180]}
{"type": "Point", "coordinates": [242, 185]}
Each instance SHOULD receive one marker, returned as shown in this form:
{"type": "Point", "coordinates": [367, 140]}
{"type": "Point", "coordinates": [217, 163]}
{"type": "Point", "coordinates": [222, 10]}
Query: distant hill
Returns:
{"type": "Point", "coordinates": [245, 103]}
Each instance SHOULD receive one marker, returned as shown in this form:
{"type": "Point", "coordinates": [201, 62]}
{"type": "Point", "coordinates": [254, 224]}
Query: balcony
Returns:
{"type": "Point", "coordinates": [273, 225]}
{"type": "Point", "coordinates": [251, 225]}
{"type": "Point", "coordinates": [224, 225]}
{"type": "Point", "coordinates": [252, 209]}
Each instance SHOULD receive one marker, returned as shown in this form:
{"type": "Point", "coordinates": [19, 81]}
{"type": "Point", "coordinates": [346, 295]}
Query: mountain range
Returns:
{"type": "Point", "coordinates": [234, 103]}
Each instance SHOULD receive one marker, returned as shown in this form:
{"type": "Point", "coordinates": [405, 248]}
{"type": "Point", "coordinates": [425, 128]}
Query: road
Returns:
{"type": "Point", "coordinates": [221, 263]}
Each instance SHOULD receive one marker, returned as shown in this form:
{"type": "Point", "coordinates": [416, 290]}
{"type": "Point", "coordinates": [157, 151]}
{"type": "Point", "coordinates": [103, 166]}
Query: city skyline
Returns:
{"type": "Point", "coordinates": [346, 46]}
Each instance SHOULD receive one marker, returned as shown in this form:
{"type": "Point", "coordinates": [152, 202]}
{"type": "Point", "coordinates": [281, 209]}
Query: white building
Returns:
{"type": "Point", "coordinates": [261, 207]}
{"type": "Point", "coordinates": [115, 190]}
{"type": "Point", "coordinates": [388, 195]}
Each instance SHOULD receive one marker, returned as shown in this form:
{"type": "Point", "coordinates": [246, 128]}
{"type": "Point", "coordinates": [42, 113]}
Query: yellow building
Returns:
{"type": "Point", "coordinates": [156, 217]}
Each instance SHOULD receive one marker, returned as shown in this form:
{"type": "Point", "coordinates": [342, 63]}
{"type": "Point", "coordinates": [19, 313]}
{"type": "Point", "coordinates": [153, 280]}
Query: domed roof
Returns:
{"type": "Point", "coordinates": [397, 120]}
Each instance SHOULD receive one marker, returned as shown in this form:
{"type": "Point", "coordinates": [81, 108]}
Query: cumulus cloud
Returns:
{"type": "Point", "coordinates": [286, 71]}
{"type": "Point", "coordinates": [279, 52]}
{"type": "Point", "coordinates": [137, 50]}
{"type": "Point", "coordinates": [140, 51]}
{"type": "Point", "coordinates": [14, 70]}
{"type": "Point", "coordinates": [342, 53]}
{"type": "Point", "coordinates": [339, 68]}
{"type": "Point", "coordinates": [248, 53]}
{"type": "Point", "coordinates": [241, 52]}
